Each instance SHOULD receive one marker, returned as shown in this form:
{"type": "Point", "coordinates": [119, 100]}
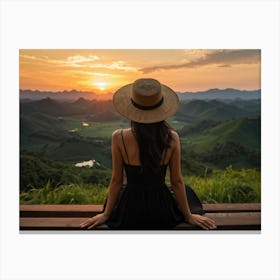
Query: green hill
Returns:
{"type": "Point", "coordinates": [79, 149]}
{"type": "Point", "coordinates": [197, 128]}
{"type": "Point", "coordinates": [221, 113]}
{"type": "Point", "coordinates": [244, 131]}
{"type": "Point", "coordinates": [198, 110]}
{"type": "Point", "coordinates": [39, 122]}
{"type": "Point", "coordinates": [39, 131]}
{"type": "Point", "coordinates": [48, 136]}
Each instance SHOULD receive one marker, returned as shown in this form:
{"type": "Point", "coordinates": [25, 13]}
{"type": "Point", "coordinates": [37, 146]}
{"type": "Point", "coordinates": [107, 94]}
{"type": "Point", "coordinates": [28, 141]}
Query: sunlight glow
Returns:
{"type": "Point", "coordinates": [101, 85]}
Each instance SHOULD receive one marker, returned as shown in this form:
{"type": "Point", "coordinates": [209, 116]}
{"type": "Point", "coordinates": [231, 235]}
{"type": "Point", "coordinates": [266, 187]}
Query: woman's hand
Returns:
{"type": "Point", "coordinates": [94, 221]}
{"type": "Point", "coordinates": [201, 221]}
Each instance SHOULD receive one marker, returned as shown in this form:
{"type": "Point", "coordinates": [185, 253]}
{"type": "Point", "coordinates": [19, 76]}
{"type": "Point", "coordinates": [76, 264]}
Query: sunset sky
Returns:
{"type": "Point", "coordinates": [103, 71]}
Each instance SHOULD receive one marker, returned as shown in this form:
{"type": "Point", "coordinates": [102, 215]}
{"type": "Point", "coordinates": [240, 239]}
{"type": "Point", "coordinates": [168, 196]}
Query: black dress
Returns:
{"type": "Point", "coordinates": [146, 203]}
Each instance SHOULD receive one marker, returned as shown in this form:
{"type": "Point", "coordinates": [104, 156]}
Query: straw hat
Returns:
{"type": "Point", "coordinates": [146, 101]}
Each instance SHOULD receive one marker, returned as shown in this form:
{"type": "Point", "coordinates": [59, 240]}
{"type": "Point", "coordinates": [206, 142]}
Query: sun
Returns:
{"type": "Point", "coordinates": [101, 85]}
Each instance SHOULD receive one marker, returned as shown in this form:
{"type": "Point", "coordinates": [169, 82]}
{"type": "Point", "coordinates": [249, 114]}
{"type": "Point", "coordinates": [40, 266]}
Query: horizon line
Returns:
{"type": "Point", "coordinates": [105, 93]}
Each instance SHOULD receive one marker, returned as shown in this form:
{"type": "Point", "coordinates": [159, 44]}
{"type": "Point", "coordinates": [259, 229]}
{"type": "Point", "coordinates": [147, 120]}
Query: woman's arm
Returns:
{"type": "Point", "coordinates": [117, 174]}
{"type": "Point", "coordinates": [176, 179]}
{"type": "Point", "coordinates": [178, 187]}
{"type": "Point", "coordinates": [114, 187]}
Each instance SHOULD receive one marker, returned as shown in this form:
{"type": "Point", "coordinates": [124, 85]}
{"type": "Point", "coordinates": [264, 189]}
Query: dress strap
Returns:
{"type": "Point", "coordinates": [124, 146]}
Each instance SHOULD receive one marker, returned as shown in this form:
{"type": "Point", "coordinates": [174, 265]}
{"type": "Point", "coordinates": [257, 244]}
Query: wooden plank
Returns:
{"type": "Point", "coordinates": [59, 210]}
{"type": "Point", "coordinates": [233, 221]}
{"type": "Point", "coordinates": [73, 210]}
{"type": "Point", "coordinates": [232, 207]}
{"type": "Point", "coordinates": [224, 221]}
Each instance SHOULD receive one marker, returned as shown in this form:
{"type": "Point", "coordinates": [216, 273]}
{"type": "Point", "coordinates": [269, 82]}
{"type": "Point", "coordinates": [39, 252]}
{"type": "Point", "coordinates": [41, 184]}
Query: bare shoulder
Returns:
{"type": "Point", "coordinates": [116, 135]}
{"type": "Point", "coordinates": [127, 133]}
{"type": "Point", "coordinates": [116, 132]}
{"type": "Point", "coordinates": [126, 130]}
{"type": "Point", "coordinates": [175, 137]}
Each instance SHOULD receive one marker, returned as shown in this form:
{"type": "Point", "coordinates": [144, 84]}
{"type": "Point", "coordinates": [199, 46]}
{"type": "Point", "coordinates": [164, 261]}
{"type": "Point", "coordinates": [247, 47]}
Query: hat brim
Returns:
{"type": "Point", "coordinates": [122, 103]}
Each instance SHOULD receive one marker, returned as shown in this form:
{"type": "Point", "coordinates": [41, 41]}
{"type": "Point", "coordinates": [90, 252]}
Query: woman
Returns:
{"type": "Point", "coordinates": [145, 151]}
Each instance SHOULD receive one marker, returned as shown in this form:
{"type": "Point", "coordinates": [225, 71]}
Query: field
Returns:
{"type": "Point", "coordinates": [94, 129]}
{"type": "Point", "coordinates": [104, 129]}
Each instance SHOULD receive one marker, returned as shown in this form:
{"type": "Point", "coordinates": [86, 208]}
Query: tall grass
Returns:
{"type": "Point", "coordinates": [66, 194]}
{"type": "Point", "coordinates": [227, 186]}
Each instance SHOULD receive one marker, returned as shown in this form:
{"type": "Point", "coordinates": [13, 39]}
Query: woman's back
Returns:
{"type": "Point", "coordinates": [129, 148]}
{"type": "Point", "coordinates": [145, 202]}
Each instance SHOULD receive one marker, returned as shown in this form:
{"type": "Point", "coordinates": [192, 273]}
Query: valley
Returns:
{"type": "Point", "coordinates": [56, 135]}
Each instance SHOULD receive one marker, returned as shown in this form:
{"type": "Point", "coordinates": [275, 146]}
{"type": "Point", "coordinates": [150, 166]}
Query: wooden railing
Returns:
{"type": "Point", "coordinates": [236, 216]}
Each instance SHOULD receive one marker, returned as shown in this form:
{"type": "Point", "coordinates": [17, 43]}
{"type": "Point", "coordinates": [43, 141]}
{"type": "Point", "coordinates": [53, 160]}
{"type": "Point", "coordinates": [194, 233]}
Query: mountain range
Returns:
{"type": "Point", "coordinates": [95, 110]}
{"type": "Point", "coordinates": [70, 95]}
{"type": "Point", "coordinates": [223, 94]}
{"type": "Point", "coordinates": [190, 112]}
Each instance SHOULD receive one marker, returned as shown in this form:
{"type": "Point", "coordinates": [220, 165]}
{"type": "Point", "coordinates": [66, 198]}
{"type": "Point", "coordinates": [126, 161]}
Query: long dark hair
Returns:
{"type": "Point", "coordinates": [152, 139]}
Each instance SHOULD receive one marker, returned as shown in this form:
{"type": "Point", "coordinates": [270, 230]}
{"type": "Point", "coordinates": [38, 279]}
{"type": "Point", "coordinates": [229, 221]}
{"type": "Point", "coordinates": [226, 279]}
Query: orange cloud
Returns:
{"type": "Point", "coordinates": [224, 57]}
